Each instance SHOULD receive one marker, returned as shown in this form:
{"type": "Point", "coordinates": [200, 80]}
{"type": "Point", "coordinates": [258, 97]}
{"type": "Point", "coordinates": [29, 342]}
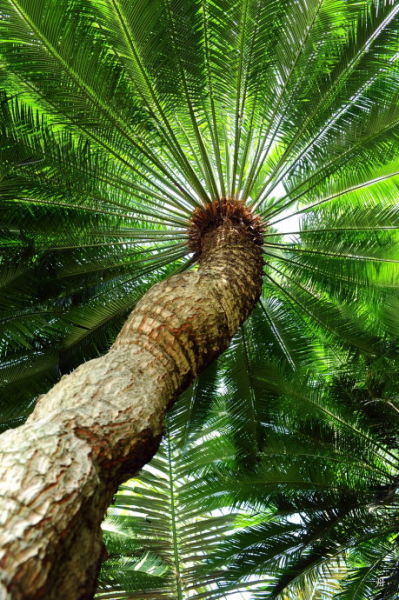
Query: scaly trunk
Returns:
{"type": "Point", "coordinates": [102, 422]}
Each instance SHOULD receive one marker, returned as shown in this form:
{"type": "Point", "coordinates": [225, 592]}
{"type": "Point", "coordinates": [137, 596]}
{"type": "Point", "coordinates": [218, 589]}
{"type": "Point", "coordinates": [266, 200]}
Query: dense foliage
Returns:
{"type": "Point", "coordinates": [118, 119]}
{"type": "Point", "coordinates": [314, 510]}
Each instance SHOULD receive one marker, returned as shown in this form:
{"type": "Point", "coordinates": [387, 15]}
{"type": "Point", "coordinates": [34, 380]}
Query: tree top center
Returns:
{"type": "Point", "coordinates": [223, 211]}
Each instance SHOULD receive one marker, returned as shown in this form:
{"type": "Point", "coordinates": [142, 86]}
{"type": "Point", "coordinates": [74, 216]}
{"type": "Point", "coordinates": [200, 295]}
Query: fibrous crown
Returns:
{"type": "Point", "coordinates": [220, 211]}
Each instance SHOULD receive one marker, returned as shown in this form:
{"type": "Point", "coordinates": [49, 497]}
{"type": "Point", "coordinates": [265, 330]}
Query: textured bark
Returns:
{"type": "Point", "coordinates": [102, 422]}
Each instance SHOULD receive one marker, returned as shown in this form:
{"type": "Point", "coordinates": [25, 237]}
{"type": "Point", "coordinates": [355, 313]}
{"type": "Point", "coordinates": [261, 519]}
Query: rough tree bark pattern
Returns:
{"type": "Point", "coordinates": [103, 421]}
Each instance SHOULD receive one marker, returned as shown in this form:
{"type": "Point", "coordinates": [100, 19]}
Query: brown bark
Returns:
{"type": "Point", "coordinates": [103, 421]}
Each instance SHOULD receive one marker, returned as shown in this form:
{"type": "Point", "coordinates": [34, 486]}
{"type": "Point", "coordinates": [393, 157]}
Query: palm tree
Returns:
{"type": "Point", "coordinates": [316, 516]}
{"type": "Point", "coordinates": [328, 480]}
{"type": "Point", "coordinates": [143, 140]}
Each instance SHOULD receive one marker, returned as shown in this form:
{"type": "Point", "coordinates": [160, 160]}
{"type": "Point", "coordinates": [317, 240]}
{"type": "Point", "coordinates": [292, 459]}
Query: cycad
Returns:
{"type": "Point", "coordinates": [326, 481]}
{"type": "Point", "coordinates": [314, 518]}
{"type": "Point", "coordinates": [140, 138]}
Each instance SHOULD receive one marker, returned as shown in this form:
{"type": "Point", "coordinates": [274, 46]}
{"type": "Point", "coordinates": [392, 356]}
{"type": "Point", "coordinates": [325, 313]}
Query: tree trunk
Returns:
{"type": "Point", "coordinates": [102, 422]}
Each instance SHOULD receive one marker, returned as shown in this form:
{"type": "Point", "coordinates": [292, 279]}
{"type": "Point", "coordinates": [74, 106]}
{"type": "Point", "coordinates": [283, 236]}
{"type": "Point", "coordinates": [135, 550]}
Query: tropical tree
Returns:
{"type": "Point", "coordinates": [315, 518]}
{"type": "Point", "coordinates": [328, 481]}
{"type": "Point", "coordinates": [162, 143]}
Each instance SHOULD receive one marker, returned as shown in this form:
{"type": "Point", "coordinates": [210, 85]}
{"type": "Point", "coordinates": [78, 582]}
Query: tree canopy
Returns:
{"type": "Point", "coordinates": [120, 118]}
